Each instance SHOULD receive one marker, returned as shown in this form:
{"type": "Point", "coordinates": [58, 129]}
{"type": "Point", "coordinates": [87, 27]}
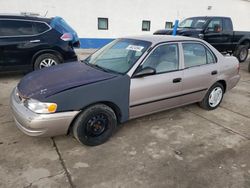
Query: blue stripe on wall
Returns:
{"type": "Point", "coordinates": [94, 42]}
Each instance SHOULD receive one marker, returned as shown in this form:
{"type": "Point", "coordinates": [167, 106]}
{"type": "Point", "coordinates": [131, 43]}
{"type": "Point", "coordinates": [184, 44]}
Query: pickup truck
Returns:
{"type": "Point", "coordinates": [218, 31]}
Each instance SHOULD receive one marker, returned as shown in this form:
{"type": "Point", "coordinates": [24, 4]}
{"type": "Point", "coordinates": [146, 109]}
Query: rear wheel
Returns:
{"type": "Point", "coordinates": [95, 125]}
{"type": "Point", "coordinates": [46, 60]}
{"type": "Point", "coordinates": [241, 53]}
{"type": "Point", "coordinates": [213, 97]}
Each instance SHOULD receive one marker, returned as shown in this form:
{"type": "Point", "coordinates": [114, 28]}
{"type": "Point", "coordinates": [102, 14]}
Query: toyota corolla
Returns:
{"type": "Point", "coordinates": [128, 78]}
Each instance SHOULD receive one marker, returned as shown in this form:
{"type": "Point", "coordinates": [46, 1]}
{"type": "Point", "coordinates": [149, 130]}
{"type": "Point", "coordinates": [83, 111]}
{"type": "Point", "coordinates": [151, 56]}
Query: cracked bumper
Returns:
{"type": "Point", "coordinates": [42, 125]}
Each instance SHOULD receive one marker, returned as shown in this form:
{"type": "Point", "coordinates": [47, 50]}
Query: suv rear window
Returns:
{"type": "Point", "coordinates": [61, 25]}
{"type": "Point", "coordinates": [11, 28]}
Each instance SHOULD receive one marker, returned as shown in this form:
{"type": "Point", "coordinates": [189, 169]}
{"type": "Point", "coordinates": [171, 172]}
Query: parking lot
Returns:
{"type": "Point", "coordinates": [186, 147]}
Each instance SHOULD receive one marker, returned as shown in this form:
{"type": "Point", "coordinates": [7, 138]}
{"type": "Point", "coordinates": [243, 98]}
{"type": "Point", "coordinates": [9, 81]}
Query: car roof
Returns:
{"type": "Point", "coordinates": [25, 17]}
{"type": "Point", "coordinates": [162, 38]}
{"type": "Point", "coordinates": [208, 17]}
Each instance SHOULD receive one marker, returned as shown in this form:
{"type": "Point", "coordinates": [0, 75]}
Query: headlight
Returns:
{"type": "Point", "coordinates": [40, 107]}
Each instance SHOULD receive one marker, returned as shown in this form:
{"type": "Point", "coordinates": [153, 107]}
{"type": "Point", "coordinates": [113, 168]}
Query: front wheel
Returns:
{"type": "Point", "coordinates": [95, 125]}
{"type": "Point", "coordinates": [213, 97]}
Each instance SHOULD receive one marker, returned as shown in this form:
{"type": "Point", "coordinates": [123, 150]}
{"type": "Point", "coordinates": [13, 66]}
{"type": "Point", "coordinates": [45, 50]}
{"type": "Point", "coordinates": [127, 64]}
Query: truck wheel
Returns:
{"type": "Point", "coordinates": [46, 60]}
{"type": "Point", "coordinates": [213, 97]}
{"type": "Point", "coordinates": [241, 53]}
{"type": "Point", "coordinates": [95, 125]}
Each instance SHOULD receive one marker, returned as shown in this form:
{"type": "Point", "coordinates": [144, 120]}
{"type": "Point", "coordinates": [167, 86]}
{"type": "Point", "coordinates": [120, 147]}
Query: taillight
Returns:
{"type": "Point", "coordinates": [67, 37]}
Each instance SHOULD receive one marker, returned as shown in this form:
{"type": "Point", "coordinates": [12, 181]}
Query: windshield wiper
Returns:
{"type": "Point", "coordinates": [102, 68]}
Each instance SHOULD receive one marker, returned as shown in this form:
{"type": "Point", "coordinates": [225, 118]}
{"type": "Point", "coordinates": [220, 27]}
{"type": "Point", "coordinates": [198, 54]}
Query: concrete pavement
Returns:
{"type": "Point", "coordinates": [186, 147]}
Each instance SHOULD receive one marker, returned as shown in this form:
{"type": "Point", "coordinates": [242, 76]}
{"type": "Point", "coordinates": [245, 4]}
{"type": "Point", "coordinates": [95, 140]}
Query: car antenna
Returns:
{"type": "Point", "coordinates": [46, 13]}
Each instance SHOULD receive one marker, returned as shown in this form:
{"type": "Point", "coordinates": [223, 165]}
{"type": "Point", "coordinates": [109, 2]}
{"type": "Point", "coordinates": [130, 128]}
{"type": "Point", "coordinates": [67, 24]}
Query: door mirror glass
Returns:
{"type": "Point", "coordinates": [144, 72]}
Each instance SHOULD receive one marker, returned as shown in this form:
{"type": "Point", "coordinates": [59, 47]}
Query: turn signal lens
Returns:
{"type": "Point", "coordinates": [52, 107]}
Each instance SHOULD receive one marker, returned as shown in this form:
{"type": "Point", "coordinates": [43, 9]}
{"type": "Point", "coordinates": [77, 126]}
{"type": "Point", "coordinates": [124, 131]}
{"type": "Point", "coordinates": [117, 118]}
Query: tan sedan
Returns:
{"type": "Point", "coordinates": [128, 78]}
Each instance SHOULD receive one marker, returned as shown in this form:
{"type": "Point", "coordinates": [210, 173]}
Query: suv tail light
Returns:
{"type": "Point", "coordinates": [67, 37]}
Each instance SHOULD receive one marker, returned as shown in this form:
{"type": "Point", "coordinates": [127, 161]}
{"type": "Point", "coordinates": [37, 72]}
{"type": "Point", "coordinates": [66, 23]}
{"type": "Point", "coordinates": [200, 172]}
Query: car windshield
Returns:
{"type": "Point", "coordinates": [119, 55]}
{"type": "Point", "coordinates": [196, 23]}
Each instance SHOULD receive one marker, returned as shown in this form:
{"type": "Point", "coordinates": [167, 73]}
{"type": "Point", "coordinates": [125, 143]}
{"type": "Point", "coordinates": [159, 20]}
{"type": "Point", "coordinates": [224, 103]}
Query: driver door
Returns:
{"type": "Point", "coordinates": [162, 90]}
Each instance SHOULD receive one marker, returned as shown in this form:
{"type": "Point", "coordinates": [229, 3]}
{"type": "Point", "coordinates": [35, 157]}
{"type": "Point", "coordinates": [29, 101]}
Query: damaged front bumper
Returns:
{"type": "Point", "coordinates": [42, 125]}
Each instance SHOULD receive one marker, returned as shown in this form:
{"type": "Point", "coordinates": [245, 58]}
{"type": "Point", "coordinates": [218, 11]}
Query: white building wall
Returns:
{"type": "Point", "coordinates": [125, 16]}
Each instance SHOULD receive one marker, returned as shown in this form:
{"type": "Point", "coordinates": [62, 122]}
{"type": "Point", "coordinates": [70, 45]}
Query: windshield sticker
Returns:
{"type": "Point", "coordinates": [135, 48]}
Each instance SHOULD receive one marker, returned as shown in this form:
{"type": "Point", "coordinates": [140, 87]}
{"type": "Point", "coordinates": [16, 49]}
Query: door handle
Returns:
{"type": "Point", "coordinates": [35, 41]}
{"type": "Point", "coordinates": [214, 72]}
{"type": "Point", "coordinates": [176, 80]}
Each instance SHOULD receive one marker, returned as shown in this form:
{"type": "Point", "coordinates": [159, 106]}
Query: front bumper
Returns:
{"type": "Point", "coordinates": [42, 125]}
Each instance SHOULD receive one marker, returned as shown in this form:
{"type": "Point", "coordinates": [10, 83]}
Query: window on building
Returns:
{"type": "Point", "coordinates": [103, 23]}
{"type": "Point", "coordinates": [168, 25]}
{"type": "Point", "coordinates": [145, 25]}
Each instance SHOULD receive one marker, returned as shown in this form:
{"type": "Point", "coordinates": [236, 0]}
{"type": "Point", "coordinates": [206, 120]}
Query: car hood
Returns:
{"type": "Point", "coordinates": [49, 81]}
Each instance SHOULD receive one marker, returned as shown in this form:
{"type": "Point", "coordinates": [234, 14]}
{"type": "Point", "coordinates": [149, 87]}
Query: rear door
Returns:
{"type": "Point", "coordinates": [160, 91]}
{"type": "Point", "coordinates": [200, 71]}
{"type": "Point", "coordinates": [18, 39]}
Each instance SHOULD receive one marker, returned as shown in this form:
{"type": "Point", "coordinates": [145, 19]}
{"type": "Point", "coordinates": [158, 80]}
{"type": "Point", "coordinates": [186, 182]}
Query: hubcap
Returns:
{"type": "Point", "coordinates": [96, 125]}
{"type": "Point", "coordinates": [48, 62]}
{"type": "Point", "coordinates": [215, 97]}
{"type": "Point", "coordinates": [243, 54]}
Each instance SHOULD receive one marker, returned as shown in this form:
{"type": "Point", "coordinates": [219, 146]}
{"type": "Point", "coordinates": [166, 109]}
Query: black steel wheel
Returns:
{"type": "Point", "coordinates": [95, 125]}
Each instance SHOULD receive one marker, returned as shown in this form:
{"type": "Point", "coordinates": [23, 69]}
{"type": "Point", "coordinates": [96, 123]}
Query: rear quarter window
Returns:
{"type": "Point", "coordinates": [40, 27]}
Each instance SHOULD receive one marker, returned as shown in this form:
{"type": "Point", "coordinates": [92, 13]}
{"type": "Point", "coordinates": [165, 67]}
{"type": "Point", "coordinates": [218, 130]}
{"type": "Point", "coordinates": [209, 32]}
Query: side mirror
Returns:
{"type": "Point", "coordinates": [144, 72]}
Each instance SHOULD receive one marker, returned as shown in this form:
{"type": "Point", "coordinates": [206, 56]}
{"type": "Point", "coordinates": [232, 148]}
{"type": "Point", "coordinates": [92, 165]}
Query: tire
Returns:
{"type": "Point", "coordinates": [249, 66]}
{"type": "Point", "coordinates": [95, 125]}
{"type": "Point", "coordinates": [46, 60]}
{"type": "Point", "coordinates": [241, 53]}
{"type": "Point", "coordinates": [208, 103]}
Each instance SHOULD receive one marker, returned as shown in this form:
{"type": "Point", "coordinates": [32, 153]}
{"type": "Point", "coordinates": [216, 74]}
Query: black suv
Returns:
{"type": "Point", "coordinates": [31, 43]}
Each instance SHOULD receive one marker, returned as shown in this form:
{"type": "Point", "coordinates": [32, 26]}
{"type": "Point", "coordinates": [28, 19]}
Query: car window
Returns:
{"type": "Point", "coordinates": [40, 27]}
{"type": "Point", "coordinates": [196, 54]}
{"type": "Point", "coordinates": [210, 57]}
{"type": "Point", "coordinates": [15, 28]}
{"type": "Point", "coordinates": [61, 25]}
{"type": "Point", "coordinates": [119, 55]}
{"type": "Point", "coordinates": [164, 58]}
{"type": "Point", "coordinates": [215, 25]}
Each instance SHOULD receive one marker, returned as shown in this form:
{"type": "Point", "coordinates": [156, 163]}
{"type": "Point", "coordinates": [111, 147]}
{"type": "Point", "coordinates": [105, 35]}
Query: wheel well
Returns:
{"type": "Point", "coordinates": [109, 104]}
{"type": "Point", "coordinates": [56, 53]}
{"type": "Point", "coordinates": [246, 42]}
{"type": "Point", "coordinates": [223, 83]}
